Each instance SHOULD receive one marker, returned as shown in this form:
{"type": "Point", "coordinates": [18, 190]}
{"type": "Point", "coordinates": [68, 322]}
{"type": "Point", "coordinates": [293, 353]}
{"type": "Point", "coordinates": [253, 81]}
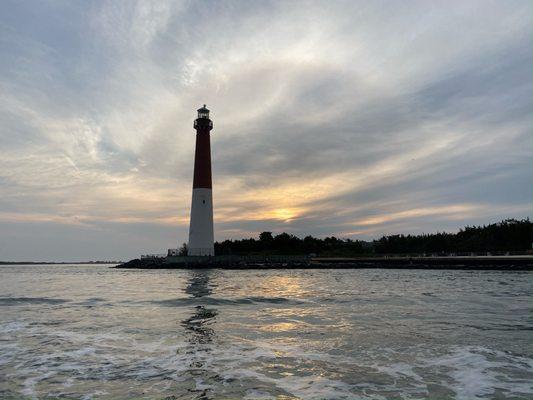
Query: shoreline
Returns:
{"type": "Point", "coordinates": [474, 263]}
{"type": "Point", "coordinates": [58, 262]}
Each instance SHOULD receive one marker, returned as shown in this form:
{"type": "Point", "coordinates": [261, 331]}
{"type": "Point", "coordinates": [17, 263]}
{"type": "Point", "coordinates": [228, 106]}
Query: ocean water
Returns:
{"type": "Point", "coordinates": [92, 332]}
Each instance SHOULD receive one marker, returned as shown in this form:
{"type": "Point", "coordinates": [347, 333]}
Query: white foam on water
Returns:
{"type": "Point", "coordinates": [474, 372]}
{"type": "Point", "coordinates": [12, 326]}
{"type": "Point", "coordinates": [30, 383]}
{"type": "Point", "coordinates": [90, 396]}
{"type": "Point", "coordinates": [202, 385]}
{"type": "Point", "coordinates": [317, 387]}
{"type": "Point", "coordinates": [254, 394]}
{"type": "Point", "coordinates": [104, 356]}
{"type": "Point", "coordinates": [307, 387]}
{"type": "Point", "coordinates": [68, 382]}
{"type": "Point", "coordinates": [475, 376]}
{"type": "Point", "coordinates": [83, 352]}
{"type": "Point", "coordinates": [240, 362]}
{"type": "Point", "coordinates": [471, 372]}
{"type": "Point", "coordinates": [399, 370]}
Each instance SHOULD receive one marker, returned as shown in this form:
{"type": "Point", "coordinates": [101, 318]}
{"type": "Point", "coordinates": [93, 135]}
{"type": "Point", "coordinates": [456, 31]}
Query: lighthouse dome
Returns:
{"type": "Point", "coordinates": [203, 112]}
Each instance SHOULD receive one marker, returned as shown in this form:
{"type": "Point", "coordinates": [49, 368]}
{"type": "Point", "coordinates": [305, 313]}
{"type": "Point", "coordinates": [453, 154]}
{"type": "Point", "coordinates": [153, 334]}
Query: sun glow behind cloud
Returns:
{"type": "Point", "coordinates": [346, 118]}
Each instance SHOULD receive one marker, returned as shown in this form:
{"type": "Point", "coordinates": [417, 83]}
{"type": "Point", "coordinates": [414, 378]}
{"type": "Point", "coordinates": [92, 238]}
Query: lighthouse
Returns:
{"type": "Point", "coordinates": [201, 226]}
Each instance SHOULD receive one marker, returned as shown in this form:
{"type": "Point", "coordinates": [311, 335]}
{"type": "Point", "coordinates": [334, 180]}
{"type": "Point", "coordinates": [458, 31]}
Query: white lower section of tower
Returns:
{"type": "Point", "coordinates": [201, 228]}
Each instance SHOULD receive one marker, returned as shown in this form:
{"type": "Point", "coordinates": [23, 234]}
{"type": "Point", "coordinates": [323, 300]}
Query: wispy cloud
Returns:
{"type": "Point", "coordinates": [340, 118]}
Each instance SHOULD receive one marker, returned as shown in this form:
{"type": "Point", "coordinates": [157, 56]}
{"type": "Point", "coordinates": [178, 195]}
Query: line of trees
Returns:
{"type": "Point", "coordinates": [507, 235]}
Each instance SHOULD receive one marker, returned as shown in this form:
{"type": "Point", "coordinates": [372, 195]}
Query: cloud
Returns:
{"type": "Point", "coordinates": [347, 118]}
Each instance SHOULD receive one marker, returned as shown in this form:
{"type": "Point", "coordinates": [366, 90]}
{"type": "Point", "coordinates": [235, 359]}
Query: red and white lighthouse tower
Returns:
{"type": "Point", "coordinates": [201, 227]}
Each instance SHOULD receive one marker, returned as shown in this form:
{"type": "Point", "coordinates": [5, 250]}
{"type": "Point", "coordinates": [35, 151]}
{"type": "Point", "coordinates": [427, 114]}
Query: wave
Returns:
{"type": "Point", "coordinates": [212, 301]}
{"type": "Point", "coordinates": [13, 301]}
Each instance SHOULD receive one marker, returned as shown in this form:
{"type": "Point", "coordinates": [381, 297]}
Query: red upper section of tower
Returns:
{"type": "Point", "coordinates": [202, 156]}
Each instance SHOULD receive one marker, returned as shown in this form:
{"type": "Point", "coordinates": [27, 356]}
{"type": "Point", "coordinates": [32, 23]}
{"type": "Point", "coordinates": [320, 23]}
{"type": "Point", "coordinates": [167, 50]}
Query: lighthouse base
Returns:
{"type": "Point", "coordinates": [201, 240]}
{"type": "Point", "coordinates": [201, 252]}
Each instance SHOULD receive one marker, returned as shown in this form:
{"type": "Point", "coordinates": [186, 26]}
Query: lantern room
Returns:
{"type": "Point", "coordinates": [203, 123]}
{"type": "Point", "coordinates": [203, 112]}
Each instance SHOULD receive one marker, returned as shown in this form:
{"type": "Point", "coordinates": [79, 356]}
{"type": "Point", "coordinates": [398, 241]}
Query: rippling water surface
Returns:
{"type": "Point", "coordinates": [93, 332]}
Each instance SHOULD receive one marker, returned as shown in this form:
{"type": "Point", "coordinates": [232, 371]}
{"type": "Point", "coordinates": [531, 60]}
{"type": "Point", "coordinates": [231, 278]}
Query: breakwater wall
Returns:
{"type": "Point", "coordinates": [505, 263]}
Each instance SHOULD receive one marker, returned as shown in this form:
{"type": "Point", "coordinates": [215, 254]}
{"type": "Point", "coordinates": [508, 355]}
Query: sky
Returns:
{"type": "Point", "coordinates": [348, 118]}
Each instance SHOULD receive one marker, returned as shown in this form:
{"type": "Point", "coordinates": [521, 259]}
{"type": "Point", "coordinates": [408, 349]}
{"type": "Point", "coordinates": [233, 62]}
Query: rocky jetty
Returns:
{"type": "Point", "coordinates": [504, 263]}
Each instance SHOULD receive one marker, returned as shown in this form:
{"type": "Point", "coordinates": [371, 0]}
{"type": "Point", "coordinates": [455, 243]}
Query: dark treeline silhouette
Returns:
{"type": "Point", "coordinates": [508, 235]}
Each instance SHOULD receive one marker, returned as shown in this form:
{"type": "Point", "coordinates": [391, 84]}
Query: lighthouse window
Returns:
{"type": "Point", "coordinates": [203, 201]}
